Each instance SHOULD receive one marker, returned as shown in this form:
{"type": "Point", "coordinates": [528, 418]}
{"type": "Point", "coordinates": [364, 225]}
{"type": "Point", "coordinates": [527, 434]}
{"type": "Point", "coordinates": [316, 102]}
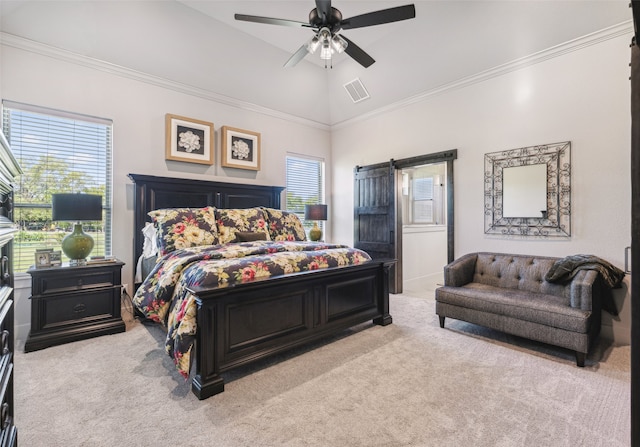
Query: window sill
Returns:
{"type": "Point", "coordinates": [410, 229]}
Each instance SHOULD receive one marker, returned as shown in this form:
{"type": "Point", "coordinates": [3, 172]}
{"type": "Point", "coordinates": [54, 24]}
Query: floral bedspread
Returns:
{"type": "Point", "coordinates": [163, 296]}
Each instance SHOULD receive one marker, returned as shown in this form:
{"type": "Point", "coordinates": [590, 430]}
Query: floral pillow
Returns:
{"type": "Point", "coordinates": [285, 226]}
{"type": "Point", "coordinates": [184, 227]}
{"type": "Point", "coordinates": [232, 220]}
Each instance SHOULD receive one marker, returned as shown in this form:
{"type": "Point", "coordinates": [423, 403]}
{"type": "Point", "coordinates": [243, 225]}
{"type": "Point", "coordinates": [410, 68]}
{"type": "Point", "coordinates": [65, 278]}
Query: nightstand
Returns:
{"type": "Point", "coordinates": [71, 303]}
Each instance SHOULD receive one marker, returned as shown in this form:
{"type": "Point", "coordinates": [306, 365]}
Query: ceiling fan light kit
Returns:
{"type": "Point", "coordinates": [338, 44]}
{"type": "Point", "coordinates": [325, 38]}
{"type": "Point", "coordinates": [313, 44]}
{"type": "Point", "coordinates": [326, 21]}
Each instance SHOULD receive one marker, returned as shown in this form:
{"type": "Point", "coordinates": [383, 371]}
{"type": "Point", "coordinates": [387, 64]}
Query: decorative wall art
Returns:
{"type": "Point", "coordinates": [189, 140]}
{"type": "Point", "coordinates": [527, 191]}
{"type": "Point", "coordinates": [240, 148]}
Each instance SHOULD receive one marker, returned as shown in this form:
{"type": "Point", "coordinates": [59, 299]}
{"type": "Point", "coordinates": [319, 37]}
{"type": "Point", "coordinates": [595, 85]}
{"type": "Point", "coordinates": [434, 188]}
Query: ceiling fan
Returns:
{"type": "Point", "coordinates": [326, 21]}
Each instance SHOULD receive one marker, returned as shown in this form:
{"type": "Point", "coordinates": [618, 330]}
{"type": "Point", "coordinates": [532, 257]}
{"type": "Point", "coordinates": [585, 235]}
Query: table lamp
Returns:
{"type": "Point", "coordinates": [315, 213]}
{"type": "Point", "coordinates": [76, 208]}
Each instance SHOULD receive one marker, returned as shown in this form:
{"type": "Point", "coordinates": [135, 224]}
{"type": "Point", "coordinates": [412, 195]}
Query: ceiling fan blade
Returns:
{"type": "Point", "coordinates": [323, 7]}
{"type": "Point", "coordinates": [358, 54]}
{"type": "Point", "coordinates": [270, 20]}
{"type": "Point", "coordinates": [297, 56]}
{"type": "Point", "coordinates": [380, 17]}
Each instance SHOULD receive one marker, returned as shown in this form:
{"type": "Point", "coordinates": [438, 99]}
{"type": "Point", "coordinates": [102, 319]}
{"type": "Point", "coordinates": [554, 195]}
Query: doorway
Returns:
{"type": "Point", "coordinates": [423, 208]}
{"type": "Point", "coordinates": [378, 222]}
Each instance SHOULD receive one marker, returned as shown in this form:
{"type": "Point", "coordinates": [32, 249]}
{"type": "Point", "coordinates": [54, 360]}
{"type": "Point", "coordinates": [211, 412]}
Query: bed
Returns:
{"type": "Point", "coordinates": [242, 317]}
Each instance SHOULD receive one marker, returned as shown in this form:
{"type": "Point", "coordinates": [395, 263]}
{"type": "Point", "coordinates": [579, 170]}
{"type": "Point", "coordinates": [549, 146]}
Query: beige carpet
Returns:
{"type": "Point", "coordinates": [407, 384]}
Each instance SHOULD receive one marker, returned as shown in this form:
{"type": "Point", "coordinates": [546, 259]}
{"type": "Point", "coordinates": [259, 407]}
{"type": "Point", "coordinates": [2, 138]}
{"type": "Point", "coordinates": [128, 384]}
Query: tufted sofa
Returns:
{"type": "Point", "coordinates": [508, 293]}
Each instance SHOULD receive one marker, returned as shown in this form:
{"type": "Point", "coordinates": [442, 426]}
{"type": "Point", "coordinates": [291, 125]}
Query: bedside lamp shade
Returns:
{"type": "Point", "coordinates": [315, 213]}
{"type": "Point", "coordinates": [76, 208]}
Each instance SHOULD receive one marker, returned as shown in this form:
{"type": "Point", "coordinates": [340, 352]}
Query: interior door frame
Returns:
{"type": "Point", "coordinates": [438, 157]}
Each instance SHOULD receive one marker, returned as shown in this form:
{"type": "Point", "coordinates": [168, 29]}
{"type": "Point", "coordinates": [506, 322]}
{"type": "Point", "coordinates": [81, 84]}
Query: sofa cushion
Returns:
{"type": "Point", "coordinates": [519, 272]}
{"type": "Point", "coordinates": [549, 310]}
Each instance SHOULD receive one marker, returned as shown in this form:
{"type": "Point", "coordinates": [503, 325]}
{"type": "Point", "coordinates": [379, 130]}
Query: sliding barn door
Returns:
{"type": "Point", "coordinates": [375, 217]}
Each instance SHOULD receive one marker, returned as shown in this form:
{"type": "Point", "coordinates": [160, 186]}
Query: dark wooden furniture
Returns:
{"type": "Point", "coordinates": [246, 322]}
{"type": "Point", "coordinates": [9, 170]}
{"type": "Point", "coordinates": [71, 303]}
{"type": "Point", "coordinates": [635, 225]}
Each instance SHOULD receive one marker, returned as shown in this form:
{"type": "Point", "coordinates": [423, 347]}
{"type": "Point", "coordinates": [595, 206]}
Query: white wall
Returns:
{"type": "Point", "coordinates": [173, 41]}
{"type": "Point", "coordinates": [424, 252]}
{"type": "Point", "coordinates": [137, 109]}
{"type": "Point", "coordinates": [581, 96]}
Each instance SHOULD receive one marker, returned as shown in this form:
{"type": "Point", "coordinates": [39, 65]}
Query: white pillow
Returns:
{"type": "Point", "coordinates": [150, 246]}
{"type": "Point", "coordinates": [149, 249]}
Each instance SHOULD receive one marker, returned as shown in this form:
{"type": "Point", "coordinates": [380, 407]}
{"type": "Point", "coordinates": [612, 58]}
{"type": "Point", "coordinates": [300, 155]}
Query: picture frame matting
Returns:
{"type": "Point", "coordinates": [240, 148]}
{"type": "Point", "coordinates": [189, 140]}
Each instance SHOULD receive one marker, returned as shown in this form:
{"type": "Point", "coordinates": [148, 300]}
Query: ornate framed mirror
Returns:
{"type": "Point", "coordinates": [527, 191]}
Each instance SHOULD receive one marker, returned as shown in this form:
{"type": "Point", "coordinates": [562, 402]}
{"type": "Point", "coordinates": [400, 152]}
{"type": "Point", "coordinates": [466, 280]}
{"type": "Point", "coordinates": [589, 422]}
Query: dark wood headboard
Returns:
{"type": "Point", "coordinates": [151, 193]}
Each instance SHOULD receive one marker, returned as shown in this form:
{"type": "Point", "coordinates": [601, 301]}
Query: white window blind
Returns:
{"type": "Point", "coordinates": [423, 194]}
{"type": "Point", "coordinates": [423, 200]}
{"type": "Point", "coordinates": [305, 185]}
{"type": "Point", "coordinates": [59, 152]}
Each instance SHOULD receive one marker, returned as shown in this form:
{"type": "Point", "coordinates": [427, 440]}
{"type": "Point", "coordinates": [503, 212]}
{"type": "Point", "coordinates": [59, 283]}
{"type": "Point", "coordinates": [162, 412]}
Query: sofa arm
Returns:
{"type": "Point", "coordinates": [460, 272]}
{"type": "Point", "coordinates": [583, 289]}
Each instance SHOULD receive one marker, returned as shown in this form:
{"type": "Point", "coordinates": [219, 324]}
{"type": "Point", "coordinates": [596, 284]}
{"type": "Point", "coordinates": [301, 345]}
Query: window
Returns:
{"type": "Point", "coordinates": [58, 152]}
{"type": "Point", "coordinates": [423, 195]}
{"type": "Point", "coordinates": [305, 185]}
{"type": "Point", "coordinates": [423, 200]}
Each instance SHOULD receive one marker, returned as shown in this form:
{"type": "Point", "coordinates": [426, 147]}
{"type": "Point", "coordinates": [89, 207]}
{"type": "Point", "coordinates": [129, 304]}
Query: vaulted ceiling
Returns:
{"type": "Point", "coordinates": [199, 44]}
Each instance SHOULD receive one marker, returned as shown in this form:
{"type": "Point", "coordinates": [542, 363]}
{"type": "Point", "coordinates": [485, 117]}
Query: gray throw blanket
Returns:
{"type": "Point", "coordinates": [564, 269]}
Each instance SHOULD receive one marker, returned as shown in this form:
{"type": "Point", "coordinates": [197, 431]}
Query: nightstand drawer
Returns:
{"type": "Point", "coordinates": [73, 308]}
{"type": "Point", "coordinates": [64, 283]}
{"type": "Point", "coordinates": [70, 303]}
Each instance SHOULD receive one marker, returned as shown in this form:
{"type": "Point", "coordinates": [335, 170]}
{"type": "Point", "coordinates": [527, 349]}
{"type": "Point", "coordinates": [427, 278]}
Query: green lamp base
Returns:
{"type": "Point", "coordinates": [315, 234]}
{"type": "Point", "coordinates": [77, 245]}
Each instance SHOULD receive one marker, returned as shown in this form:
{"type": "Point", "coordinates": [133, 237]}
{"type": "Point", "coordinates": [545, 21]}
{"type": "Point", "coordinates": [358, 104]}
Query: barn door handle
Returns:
{"type": "Point", "coordinates": [627, 269]}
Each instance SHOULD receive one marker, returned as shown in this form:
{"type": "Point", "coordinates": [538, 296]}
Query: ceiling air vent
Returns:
{"type": "Point", "coordinates": [356, 90]}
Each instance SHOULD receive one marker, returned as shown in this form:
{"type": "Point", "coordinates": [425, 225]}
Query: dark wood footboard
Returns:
{"type": "Point", "coordinates": [246, 322]}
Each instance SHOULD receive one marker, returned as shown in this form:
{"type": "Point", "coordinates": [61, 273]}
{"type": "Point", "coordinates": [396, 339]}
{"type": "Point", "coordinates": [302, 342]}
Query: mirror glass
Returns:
{"type": "Point", "coordinates": [527, 191]}
{"type": "Point", "coordinates": [524, 191]}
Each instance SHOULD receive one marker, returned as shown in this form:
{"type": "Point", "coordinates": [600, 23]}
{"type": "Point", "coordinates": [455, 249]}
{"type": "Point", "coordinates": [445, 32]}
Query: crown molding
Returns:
{"type": "Point", "coordinates": [21, 43]}
{"type": "Point", "coordinates": [612, 32]}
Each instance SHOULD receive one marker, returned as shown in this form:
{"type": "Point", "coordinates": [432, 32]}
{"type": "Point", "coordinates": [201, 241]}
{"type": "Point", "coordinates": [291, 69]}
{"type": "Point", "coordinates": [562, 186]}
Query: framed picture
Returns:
{"type": "Point", "coordinates": [43, 257]}
{"type": "Point", "coordinates": [189, 140]}
{"type": "Point", "coordinates": [55, 258]}
{"type": "Point", "coordinates": [240, 148]}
